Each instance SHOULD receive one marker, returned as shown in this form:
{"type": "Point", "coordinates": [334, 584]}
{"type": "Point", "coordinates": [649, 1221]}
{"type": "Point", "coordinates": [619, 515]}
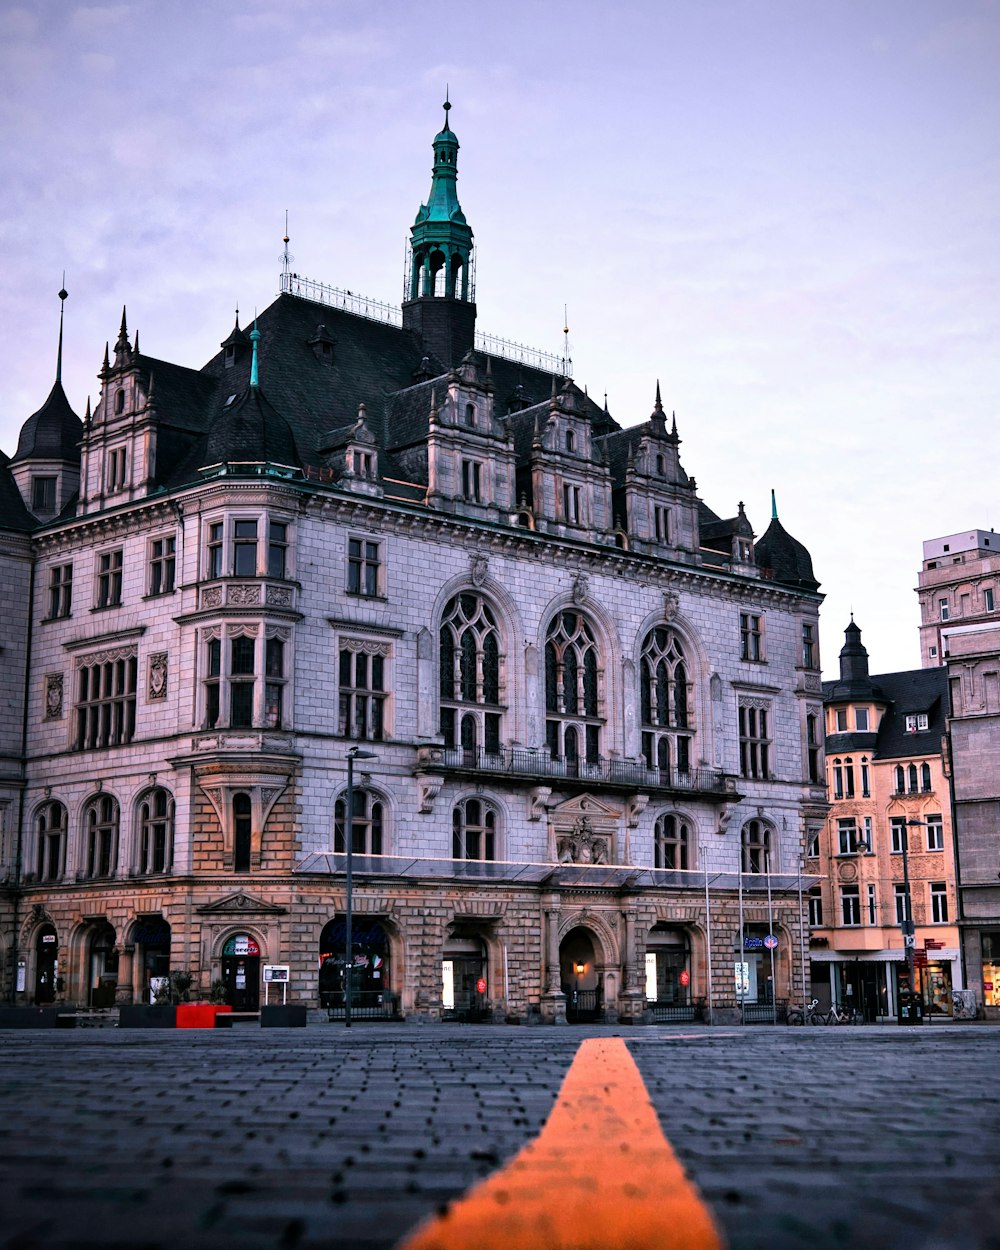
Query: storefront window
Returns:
{"type": "Point", "coordinates": [991, 968]}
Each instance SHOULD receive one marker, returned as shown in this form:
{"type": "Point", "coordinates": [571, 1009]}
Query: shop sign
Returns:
{"type": "Point", "coordinates": [771, 942]}
{"type": "Point", "coordinates": [48, 937]}
{"type": "Point", "coordinates": [685, 977]}
{"type": "Point", "coordinates": [987, 985]}
{"type": "Point", "coordinates": [481, 985]}
{"type": "Point", "coordinates": [742, 971]}
{"type": "Point", "coordinates": [753, 943]}
{"type": "Point", "coordinates": [276, 972]}
{"type": "Point", "coordinates": [241, 944]}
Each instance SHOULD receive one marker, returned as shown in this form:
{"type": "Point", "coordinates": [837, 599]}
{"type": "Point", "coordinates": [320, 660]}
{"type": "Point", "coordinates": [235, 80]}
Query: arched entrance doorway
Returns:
{"type": "Point", "coordinates": [579, 977]}
{"type": "Point", "coordinates": [241, 972]}
{"type": "Point", "coordinates": [103, 966]}
{"type": "Point", "coordinates": [464, 977]}
{"type": "Point", "coordinates": [371, 987]}
{"type": "Point", "coordinates": [668, 973]}
{"type": "Point", "coordinates": [152, 941]}
{"type": "Point", "coordinates": [46, 964]}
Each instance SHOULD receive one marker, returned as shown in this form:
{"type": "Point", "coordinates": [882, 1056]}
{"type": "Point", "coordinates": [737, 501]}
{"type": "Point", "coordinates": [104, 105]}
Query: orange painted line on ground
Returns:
{"type": "Point", "coordinates": [599, 1176]}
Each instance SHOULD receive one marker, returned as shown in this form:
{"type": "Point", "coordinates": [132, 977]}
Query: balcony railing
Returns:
{"type": "Point", "coordinates": [536, 764]}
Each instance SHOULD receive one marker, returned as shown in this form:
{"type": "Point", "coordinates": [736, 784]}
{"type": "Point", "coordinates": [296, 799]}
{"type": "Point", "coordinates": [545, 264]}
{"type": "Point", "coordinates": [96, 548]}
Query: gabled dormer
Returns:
{"type": "Point", "coordinates": [654, 498]}
{"type": "Point", "coordinates": [470, 452]}
{"type": "Point", "coordinates": [235, 347]}
{"type": "Point", "coordinates": [46, 465]}
{"type": "Point", "coordinates": [352, 456]}
{"type": "Point", "coordinates": [569, 472]}
{"type": "Point", "coordinates": [119, 442]}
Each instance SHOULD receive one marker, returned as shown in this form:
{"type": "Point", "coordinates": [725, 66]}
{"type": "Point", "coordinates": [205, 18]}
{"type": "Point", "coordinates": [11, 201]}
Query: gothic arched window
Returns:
{"type": "Point", "coordinates": [50, 832]}
{"type": "Point", "coordinates": [101, 823]}
{"type": "Point", "coordinates": [156, 831]}
{"type": "Point", "coordinates": [756, 847]}
{"type": "Point", "coordinates": [471, 674]}
{"type": "Point", "coordinates": [473, 830]}
{"type": "Point", "coordinates": [367, 825]}
{"type": "Point", "coordinates": [665, 702]}
{"type": "Point", "coordinates": [672, 842]}
{"type": "Point", "coordinates": [572, 690]}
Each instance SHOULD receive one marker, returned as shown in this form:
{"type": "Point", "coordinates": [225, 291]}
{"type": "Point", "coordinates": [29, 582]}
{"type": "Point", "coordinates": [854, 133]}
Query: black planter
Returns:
{"type": "Point", "coordinates": [289, 1016]}
{"type": "Point", "coordinates": [29, 1017]}
{"type": "Point", "coordinates": [147, 1016]}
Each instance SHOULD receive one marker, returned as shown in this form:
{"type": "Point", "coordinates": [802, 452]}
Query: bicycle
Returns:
{"type": "Point", "coordinates": [800, 1015]}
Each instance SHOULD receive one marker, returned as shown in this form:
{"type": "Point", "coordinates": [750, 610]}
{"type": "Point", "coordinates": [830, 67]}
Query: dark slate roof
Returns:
{"type": "Point", "coordinates": [789, 561]}
{"type": "Point", "coordinates": [251, 430]}
{"type": "Point", "coordinates": [13, 514]}
{"type": "Point", "coordinates": [53, 432]}
{"type": "Point", "coordinates": [919, 690]}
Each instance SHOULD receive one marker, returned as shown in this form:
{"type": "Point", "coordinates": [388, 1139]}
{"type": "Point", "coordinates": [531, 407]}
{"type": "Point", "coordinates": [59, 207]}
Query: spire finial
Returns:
{"type": "Point", "coordinates": [447, 108]}
{"type": "Point", "coordinates": [254, 339]}
{"type": "Point", "coordinates": [286, 261]}
{"type": "Point", "coordinates": [774, 506]}
{"type": "Point", "coordinates": [63, 296]}
{"type": "Point", "coordinates": [658, 406]}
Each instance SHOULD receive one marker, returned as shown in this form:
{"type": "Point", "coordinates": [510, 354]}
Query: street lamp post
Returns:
{"type": "Point", "coordinates": [355, 753]}
{"type": "Point", "coordinates": [907, 924]}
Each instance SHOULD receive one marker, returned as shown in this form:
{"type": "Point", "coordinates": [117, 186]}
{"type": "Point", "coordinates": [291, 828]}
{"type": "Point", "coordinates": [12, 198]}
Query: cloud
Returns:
{"type": "Point", "coordinates": [18, 24]}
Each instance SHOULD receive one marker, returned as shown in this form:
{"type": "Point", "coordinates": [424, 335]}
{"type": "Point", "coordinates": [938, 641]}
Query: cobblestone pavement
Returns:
{"type": "Point", "coordinates": [314, 1139]}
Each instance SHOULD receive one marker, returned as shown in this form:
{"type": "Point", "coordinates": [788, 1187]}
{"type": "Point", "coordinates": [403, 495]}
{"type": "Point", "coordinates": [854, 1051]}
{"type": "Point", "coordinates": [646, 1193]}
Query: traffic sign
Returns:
{"type": "Point", "coordinates": [909, 940]}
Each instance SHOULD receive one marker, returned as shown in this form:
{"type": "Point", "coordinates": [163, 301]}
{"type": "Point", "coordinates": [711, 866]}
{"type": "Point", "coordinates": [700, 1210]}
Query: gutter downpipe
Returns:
{"type": "Point", "coordinates": [19, 854]}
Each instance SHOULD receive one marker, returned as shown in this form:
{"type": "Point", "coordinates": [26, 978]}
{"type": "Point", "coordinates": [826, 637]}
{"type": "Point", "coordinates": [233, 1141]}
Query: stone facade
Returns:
{"type": "Point", "coordinates": [581, 700]}
{"type": "Point", "coordinates": [959, 590]}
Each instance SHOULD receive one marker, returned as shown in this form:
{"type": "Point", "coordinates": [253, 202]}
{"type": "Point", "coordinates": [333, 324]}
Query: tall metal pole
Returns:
{"type": "Point", "coordinates": [907, 923]}
{"type": "Point", "coordinates": [349, 847]}
{"type": "Point", "coordinates": [355, 753]}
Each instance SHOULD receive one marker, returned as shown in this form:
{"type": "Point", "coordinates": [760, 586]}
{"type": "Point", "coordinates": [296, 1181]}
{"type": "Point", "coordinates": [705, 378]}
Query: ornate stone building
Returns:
{"type": "Point", "coordinates": [585, 706]}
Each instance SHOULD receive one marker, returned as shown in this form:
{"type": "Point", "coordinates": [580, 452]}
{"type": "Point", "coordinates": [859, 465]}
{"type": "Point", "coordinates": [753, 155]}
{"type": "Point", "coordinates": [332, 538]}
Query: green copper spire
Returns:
{"type": "Point", "coordinates": [774, 506]}
{"type": "Point", "coordinates": [441, 240]}
{"type": "Point", "coordinates": [254, 339]}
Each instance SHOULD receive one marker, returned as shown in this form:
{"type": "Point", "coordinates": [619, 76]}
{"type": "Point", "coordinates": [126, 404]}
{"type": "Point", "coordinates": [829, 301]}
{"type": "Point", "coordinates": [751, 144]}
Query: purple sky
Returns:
{"type": "Point", "coordinates": [786, 212]}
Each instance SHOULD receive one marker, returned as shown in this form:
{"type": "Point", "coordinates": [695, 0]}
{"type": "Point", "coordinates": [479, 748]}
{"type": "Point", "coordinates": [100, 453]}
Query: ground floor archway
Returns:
{"type": "Point", "coordinates": [103, 966]}
{"type": "Point", "coordinates": [369, 964]}
{"type": "Point", "coordinates": [46, 964]}
{"type": "Point", "coordinates": [580, 968]}
{"type": "Point", "coordinates": [240, 966]}
{"type": "Point", "coordinates": [465, 984]}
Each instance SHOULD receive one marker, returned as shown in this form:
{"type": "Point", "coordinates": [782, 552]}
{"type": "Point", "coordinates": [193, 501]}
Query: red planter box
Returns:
{"type": "Point", "coordinates": [198, 1015]}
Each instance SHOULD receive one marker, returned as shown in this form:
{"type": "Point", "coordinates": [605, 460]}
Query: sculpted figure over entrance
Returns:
{"type": "Point", "coordinates": [583, 845]}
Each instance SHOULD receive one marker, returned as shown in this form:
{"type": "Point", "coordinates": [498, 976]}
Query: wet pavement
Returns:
{"type": "Point", "coordinates": [246, 1139]}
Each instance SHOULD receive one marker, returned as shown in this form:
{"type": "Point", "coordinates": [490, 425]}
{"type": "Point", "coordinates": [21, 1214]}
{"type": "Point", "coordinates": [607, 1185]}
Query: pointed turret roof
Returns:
{"type": "Point", "coordinates": [251, 431]}
{"type": "Point", "coordinates": [51, 433]}
{"type": "Point", "coordinates": [788, 560]}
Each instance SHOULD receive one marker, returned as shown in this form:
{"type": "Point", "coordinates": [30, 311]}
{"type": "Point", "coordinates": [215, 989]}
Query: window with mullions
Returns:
{"type": "Point", "coordinates": [471, 666]}
{"type": "Point", "coordinates": [847, 836]}
{"type": "Point", "coordinates": [367, 825]}
{"type": "Point", "coordinates": [245, 548]}
{"type": "Point", "coordinates": [812, 745]}
{"type": "Point", "coordinates": [756, 847]}
{"type": "Point", "coordinates": [363, 567]}
{"type": "Point", "coordinates": [277, 549]}
{"type": "Point", "coordinates": [935, 832]}
{"type": "Point", "coordinates": [473, 831]}
{"type": "Point", "coordinates": [901, 899]}
{"type": "Point", "coordinates": [362, 696]}
{"type": "Point", "coordinates": [105, 707]}
{"type": "Point", "coordinates": [100, 824]}
{"type": "Point", "coordinates": [50, 835]}
{"type": "Point", "coordinates": [751, 637]}
{"type": "Point", "coordinates": [815, 907]}
{"type": "Point", "coordinates": [572, 690]}
{"type": "Point", "coordinates": [664, 698]}
{"type": "Point", "coordinates": [60, 591]}
{"type": "Point", "coordinates": [156, 832]}
{"type": "Point", "coordinates": [755, 740]}
{"type": "Point", "coordinates": [808, 645]}
{"type": "Point", "coordinates": [672, 843]}
{"type": "Point", "coordinates": [109, 578]}
{"type": "Point", "coordinates": [162, 563]}
{"type": "Point", "coordinates": [850, 905]}
{"type": "Point", "coordinates": [939, 902]}
{"type": "Point", "coordinates": [233, 685]}
{"type": "Point", "coordinates": [897, 834]}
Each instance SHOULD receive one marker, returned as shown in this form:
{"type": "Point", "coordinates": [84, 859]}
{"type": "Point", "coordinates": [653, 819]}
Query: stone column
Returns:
{"type": "Point", "coordinates": [633, 995]}
{"type": "Point", "coordinates": [125, 988]}
{"type": "Point", "coordinates": [553, 999]}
